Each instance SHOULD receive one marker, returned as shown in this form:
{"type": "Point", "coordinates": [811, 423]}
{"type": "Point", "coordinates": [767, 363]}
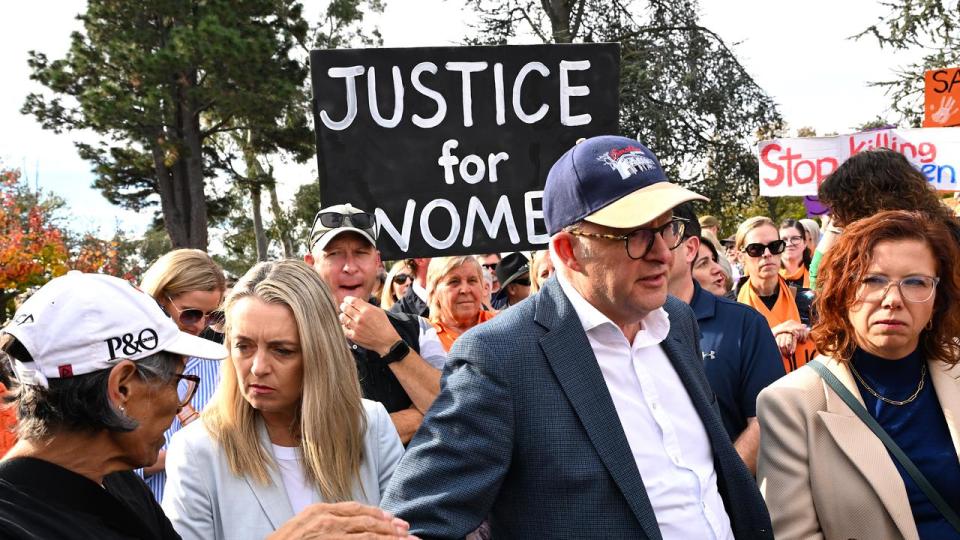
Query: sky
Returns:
{"type": "Point", "coordinates": [801, 55]}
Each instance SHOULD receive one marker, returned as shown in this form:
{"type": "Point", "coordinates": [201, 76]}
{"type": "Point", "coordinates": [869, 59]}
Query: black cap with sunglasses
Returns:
{"type": "Point", "coordinates": [335, 220]}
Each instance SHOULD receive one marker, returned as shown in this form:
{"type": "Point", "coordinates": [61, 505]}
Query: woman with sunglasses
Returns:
{"type": "Point", "coordinates": [863, 442]}
{"type": "Point", "coordinates": [398, 281]}
{"type": "Point", "coordinates": [189, 286]}
{"type": "Point", "coordinates": [786, 309]}
{"type": "Point", "coordinates": [795, 261]}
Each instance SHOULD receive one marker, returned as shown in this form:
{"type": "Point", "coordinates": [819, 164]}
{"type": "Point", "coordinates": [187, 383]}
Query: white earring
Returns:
{"type": "Point", "coordinates": [123, 411]}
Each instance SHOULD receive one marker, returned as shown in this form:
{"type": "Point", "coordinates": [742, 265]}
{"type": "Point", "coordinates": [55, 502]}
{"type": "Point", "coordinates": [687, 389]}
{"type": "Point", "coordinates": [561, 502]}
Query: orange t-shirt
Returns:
{"type": "Point", "coordinates": [448, 335]}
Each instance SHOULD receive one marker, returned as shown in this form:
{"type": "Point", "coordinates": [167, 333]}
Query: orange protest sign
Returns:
{"type": "Point", "coordinates": [941, 98]}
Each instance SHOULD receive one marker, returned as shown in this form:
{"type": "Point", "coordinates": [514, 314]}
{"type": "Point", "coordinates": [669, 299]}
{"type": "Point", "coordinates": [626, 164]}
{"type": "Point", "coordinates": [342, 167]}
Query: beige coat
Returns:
{"type": "Point", "coordinates": [822, 472]}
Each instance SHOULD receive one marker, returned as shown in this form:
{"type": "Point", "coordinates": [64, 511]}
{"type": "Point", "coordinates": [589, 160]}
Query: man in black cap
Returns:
{"type": "Point", "coordinates": [513, 273]}
{"type": "Point", "coordinates": [584, 411]}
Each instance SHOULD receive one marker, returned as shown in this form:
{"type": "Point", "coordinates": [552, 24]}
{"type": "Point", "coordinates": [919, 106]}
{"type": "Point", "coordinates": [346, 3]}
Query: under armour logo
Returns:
{"type": "Point", "coordinates": [129, 345]}
{"type": "Point", "coordinates": [712, 355]}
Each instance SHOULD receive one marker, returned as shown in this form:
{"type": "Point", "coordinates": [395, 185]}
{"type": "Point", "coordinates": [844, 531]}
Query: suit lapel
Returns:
{"type": "Point", "coordinates": [273, 497]}
{"type": "Point", "coordinates": [865, 451]}
{"type": "Point", "coordinates": [571, 358]}
{"type": "Point", "coordinates": [946, 381]}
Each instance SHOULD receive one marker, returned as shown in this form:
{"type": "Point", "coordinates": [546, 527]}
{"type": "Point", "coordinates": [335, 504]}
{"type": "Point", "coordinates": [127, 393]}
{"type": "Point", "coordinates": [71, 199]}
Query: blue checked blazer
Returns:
{"type": "Point", "coordinates": [525, 433]}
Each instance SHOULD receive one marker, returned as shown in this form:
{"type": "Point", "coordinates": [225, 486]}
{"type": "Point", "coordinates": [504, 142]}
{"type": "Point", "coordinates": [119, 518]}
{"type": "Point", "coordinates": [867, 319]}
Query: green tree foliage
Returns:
{"type": "Point", "coordinates": [160, 81]}
{"type": "Point", "coordinates": [930, 26]}
{"type": "Point", "coordinates": [250, 237]}
{"type": "Point", "coordinates": [682, 90]}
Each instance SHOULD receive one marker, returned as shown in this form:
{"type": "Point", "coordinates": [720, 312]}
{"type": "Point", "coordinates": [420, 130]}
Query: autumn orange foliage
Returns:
{"type": "Point", "coordinates": [32, 250]}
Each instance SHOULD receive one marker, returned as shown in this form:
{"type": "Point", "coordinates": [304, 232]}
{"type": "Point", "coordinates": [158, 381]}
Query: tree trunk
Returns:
{"type": "Point", "coordinates": [559, 12]}
{"type": "Point", "coordinates": [255, 179]}
{"type": "Point", "coordinates": [281, 222]}
{"type": "Point", "coordinates": [258, 232]}
{"type": "Point", "coordinates": [196, 201]}
{"type": "Point", "coordinates": [166, 183]}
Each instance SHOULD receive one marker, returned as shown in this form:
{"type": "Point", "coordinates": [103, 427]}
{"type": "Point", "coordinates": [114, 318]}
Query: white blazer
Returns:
{"type": "Point", "coordinates": [205, 500]}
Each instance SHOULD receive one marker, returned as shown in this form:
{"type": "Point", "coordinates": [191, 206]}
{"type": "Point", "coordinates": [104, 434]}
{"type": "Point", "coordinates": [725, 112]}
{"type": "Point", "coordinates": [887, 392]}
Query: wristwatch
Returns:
{"type": "Point", "coordinates": [398, 351]}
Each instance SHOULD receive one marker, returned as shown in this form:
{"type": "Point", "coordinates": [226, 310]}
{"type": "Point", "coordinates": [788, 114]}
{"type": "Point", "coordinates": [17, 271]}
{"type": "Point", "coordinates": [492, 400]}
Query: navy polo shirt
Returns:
{"type": "Point", "coordinates": [740, 355]}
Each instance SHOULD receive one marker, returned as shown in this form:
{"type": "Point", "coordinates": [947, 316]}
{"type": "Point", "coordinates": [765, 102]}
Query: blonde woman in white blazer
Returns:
{"type": "Point", "coordinates": [287, 426]}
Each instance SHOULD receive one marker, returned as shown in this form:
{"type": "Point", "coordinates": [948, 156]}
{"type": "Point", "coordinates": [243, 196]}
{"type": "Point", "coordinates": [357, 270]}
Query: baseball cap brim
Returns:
{"type": "Point", "coordinates": [187, 345]}
{"type": "Point", "coordinates": [333, 233]}
{"type": "Point", "coordinates": [643, 206]}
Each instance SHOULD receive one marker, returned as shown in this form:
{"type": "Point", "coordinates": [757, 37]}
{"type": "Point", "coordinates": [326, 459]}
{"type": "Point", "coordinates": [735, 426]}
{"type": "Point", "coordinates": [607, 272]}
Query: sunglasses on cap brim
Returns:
{"type": "Point", "coordinates": [333, 220]}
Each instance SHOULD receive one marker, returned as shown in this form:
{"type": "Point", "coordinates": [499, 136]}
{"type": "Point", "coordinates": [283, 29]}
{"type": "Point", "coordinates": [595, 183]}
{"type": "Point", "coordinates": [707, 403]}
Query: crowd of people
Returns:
{"type": "Point", "coordinates": [640, 377]}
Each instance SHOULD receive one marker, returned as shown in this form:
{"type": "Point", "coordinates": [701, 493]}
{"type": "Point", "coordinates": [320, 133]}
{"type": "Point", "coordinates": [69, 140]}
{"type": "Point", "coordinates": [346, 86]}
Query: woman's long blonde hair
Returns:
{"type": "Point", "coordinates": [330, 423]}
{"type": "Point", "coordinates": [181, 271]}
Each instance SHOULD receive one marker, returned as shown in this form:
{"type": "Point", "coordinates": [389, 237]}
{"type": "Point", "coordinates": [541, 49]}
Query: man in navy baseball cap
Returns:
{"type": "Point", "coordinates": [612, 181]}
{"type": "Point", "coordinates": [600, 367]}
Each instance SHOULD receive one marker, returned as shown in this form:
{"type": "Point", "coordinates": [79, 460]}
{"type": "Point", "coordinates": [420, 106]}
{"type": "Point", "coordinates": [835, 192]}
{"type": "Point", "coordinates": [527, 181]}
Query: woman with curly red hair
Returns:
{"type": "Point", "coordinates": [888, 317]}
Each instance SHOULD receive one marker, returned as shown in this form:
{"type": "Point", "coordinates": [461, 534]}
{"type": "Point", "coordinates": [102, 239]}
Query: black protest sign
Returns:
{"type": "Point", "coordinates": [450, 146]}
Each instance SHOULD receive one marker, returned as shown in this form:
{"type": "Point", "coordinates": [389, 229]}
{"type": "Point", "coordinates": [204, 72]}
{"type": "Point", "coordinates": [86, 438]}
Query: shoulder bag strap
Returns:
{"type": "Point", "coordinates": [905, 461]}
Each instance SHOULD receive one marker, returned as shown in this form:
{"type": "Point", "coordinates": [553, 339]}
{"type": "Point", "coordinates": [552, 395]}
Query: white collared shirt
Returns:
{"type": "Point", "coordinates": [663, 429]}
{"type": "Point", "coordinates": [420, 291]}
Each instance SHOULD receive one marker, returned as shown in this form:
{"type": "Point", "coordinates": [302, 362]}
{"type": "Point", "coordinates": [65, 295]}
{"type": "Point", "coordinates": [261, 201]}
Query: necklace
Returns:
{"type": "Point", "coordinates": [923, 376]}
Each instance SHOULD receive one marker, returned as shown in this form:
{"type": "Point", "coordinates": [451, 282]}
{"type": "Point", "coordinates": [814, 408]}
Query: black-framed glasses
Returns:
{"type": "Point", "coordinates": [756, 249]}
{"type": "Point", "coordinates": [400, 279]}
{"type": "Point", "coordinates": [191, 316]}
{"type": "Point", "coordinates": [874, 288]}
{"type": "Point", "coordinates": [639, 241]}
{"type": "Point", "coordinates": [523, 282]}
{"type": "Point", "coordinates": [186, 387]}
{"type": "Point", "coordinates": [332, 220]}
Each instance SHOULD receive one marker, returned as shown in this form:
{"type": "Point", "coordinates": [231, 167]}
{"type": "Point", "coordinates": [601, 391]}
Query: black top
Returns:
{"type": "Point", "coordinates": [377, 380]}
{"type": "Point", "coordinates": [41, 500]}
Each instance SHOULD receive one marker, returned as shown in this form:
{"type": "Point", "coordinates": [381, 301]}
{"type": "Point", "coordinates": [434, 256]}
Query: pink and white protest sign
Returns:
{"type": "Point", "coordinates": [796, 167]}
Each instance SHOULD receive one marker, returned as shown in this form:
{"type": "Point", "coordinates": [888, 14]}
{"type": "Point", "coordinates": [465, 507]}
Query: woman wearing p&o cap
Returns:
{"type": "Point", "coordinates": [97, 364]}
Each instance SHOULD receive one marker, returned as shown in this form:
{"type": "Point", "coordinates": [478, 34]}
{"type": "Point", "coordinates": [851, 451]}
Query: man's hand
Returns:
{"type": "Point", "coordinates": [347, 520]}
{"type": "Point", "coordinates": [367, 325]}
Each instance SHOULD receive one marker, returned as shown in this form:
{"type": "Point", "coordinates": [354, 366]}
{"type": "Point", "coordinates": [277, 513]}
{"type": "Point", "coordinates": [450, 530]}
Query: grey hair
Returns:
{"type": "Point", "coordinates": [81, 404]}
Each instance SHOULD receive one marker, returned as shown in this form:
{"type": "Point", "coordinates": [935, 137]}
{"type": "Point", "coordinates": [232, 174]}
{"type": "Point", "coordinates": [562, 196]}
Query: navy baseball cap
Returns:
{"type": "Point", "coordinates": [611, 181]}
